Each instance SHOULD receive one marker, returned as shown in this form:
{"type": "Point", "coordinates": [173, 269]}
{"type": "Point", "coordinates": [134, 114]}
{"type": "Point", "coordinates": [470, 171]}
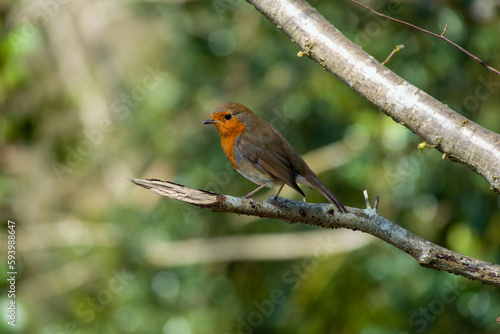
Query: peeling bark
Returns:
{"type": "Point", "coordinates": [367, 220]}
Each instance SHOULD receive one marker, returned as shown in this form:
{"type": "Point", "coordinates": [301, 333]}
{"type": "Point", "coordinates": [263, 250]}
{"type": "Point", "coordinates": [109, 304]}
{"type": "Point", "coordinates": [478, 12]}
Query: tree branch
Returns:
{"type": "Point", "coordinates": [462, 140]}
{"type": "Point", "coordinates": [368, 220]}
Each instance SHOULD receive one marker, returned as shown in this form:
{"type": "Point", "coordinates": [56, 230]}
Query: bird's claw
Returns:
{"type": "Point", "coordinates": [252, 201]}
{"type": "Point", "coordinates": [254, 205]}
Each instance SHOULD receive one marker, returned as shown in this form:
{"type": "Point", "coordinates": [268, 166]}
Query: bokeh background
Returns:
{"type": "Point", "coordinates": [94, 92]}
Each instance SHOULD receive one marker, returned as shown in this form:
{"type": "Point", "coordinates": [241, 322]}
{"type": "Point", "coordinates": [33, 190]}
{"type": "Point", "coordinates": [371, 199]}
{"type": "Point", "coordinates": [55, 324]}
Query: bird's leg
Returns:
{"type": "Point", "coordinates": [277, 194]}
{"type": "Point", "coordinates": [250, 194]}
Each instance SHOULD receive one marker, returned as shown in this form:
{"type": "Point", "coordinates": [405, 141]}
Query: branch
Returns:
{"type": "Point", "coordinates": [368, 220]}
{"type": "Point", "coordinates": [462, 140]}
{"type": "Point", "coordinates": [440, 36]}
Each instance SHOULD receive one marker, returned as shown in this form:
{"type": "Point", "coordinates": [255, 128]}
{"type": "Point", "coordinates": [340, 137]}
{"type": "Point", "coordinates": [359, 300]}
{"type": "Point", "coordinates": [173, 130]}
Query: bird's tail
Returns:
{"type": "Point", "coordinates": [317, 184]}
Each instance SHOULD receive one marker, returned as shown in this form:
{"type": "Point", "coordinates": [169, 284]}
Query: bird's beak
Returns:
{"type": "Point", "coordinates": [210, 121]}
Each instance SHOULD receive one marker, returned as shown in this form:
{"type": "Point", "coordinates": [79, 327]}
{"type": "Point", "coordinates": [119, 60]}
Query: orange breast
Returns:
{"type": "Point", "coordinates": [229, 131]}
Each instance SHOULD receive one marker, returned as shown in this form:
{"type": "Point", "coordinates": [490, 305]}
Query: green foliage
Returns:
{"type": "Point", "coordinates": [92, 93]}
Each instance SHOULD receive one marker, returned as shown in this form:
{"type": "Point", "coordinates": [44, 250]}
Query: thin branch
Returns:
{"type": "Point", "coordinates": [427, 254]}
{"type": "Point", "coordinates": [377, 200]}
{"type": "Point", "coordinates": [461, 139]}
{"type": "Point", "coordinates": [444, 30]}
{"type": "Point", "coordinates": [396, 49]}
{"type": "Point", "coordinates": [440, 36]}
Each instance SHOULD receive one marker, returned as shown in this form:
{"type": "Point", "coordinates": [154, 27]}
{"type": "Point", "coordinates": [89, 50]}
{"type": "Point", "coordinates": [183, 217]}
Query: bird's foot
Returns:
{"type": "Point", "coordinates": [252, 201]}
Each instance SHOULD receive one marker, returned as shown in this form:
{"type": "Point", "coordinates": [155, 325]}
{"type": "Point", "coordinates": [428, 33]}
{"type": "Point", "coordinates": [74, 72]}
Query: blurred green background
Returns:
{"type": "Point", "coordinates": [94, 92]}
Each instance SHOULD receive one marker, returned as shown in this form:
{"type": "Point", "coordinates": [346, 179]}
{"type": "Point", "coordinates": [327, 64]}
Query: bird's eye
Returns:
{"type": "Point", "coordinates": [228, 116]}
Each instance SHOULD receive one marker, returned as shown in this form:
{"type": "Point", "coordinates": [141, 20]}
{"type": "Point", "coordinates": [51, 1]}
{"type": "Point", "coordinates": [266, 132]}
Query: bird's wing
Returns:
{"type": "Point", "coordinates": [268, 152]}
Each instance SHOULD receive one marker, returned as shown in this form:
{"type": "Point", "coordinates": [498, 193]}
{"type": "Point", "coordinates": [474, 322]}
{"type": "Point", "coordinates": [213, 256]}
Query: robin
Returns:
{"type": "Point", "coordinates": [260, 153]}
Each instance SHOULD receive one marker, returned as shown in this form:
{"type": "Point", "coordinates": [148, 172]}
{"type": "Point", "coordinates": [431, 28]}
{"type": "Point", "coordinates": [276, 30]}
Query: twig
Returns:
{"type": "Point", "coordinates": [396, 49]}
{"type": "Point", "coordinates": [377, 200]}
{"type": "Point", "coordinates": [367, 199]}
{"type": "Point", "coordinates": [441, 36]}
{"type": "Point", "coordinates": [367, 220]}
{"type": "Point", "coordinates": [444, 30]}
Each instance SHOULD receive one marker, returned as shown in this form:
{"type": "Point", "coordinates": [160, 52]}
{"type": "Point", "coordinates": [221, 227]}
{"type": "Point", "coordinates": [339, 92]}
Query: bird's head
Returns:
{"type": "Point", "coordinates": [232, 119]}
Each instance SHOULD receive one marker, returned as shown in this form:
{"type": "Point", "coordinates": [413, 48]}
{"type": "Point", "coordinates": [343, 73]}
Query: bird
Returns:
{"type": "Point", "coordinates": [259, 152]}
